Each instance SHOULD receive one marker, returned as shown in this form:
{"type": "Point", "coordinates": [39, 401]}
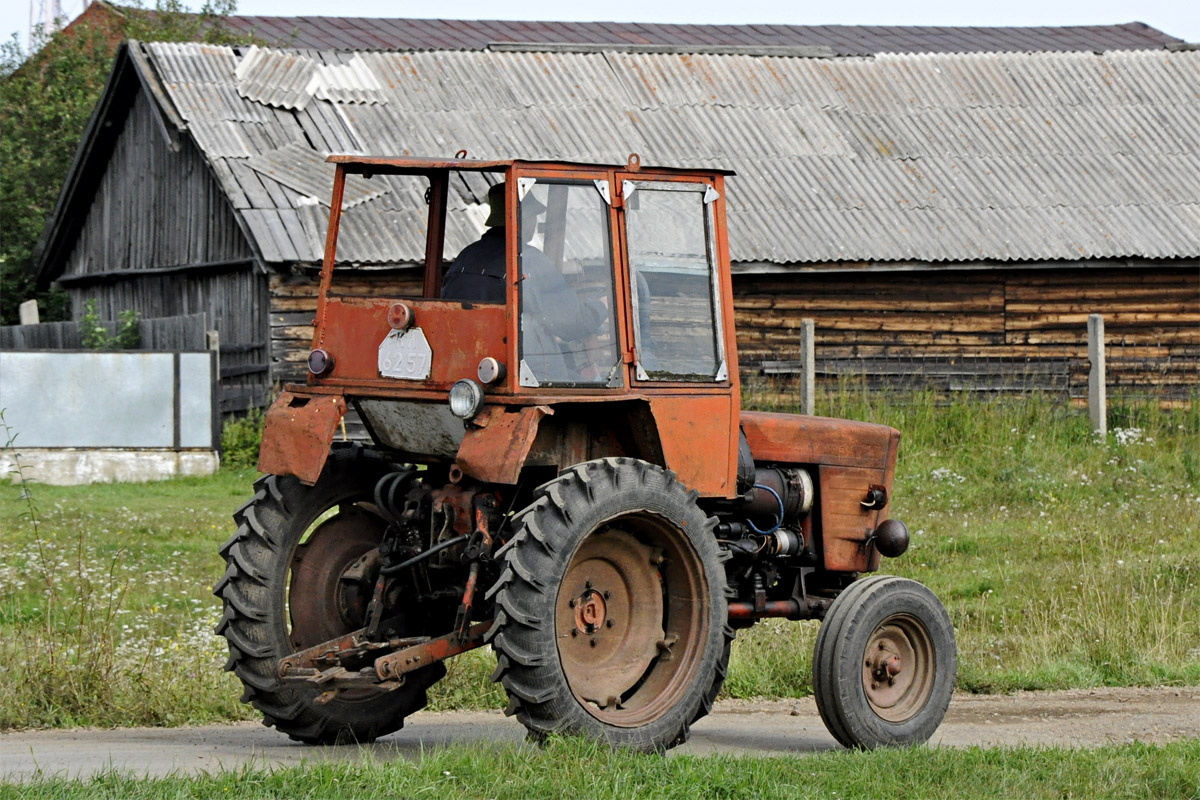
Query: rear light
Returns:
{"type": "Point", "coordinates": [490, 371]}
{"type": "Point", "coordinates": [320, 362]}
{"type": "Point", "coordinates": [400, 316]}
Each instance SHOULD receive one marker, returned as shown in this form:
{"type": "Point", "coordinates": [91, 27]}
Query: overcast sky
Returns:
{"type": "Point", "coordinates": [1177, 17]}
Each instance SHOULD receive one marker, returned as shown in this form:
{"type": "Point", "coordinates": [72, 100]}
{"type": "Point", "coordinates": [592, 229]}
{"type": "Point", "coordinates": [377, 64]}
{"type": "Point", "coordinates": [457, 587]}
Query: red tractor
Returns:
{"type": "Point", "coordinates": [560, 467]}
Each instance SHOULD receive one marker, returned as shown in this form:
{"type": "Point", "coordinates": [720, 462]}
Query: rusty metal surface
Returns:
{"type": "Point", "coordinates": [798, 439]}
{"type": "Point", "coordinates": [497, 442]}
{"type": "Point", "coordinates": [699, 438]}
{"type": "Point", "coordinates": [846, 526]}
{"type": "Point", "coordinates": [372, 33]}
{"type": "Point", "coordinates": [297, 434]}
{"type": "Point", "coordinates": [422, 655]}
{"type": "Point", "coordinates": [792, 609]}
{"type": "Point", "coordinates": [459, 334]}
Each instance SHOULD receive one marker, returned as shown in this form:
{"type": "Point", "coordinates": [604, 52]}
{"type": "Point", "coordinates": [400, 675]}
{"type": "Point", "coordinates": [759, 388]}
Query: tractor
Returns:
{"type": "Point", "coordinates": [559, 467]}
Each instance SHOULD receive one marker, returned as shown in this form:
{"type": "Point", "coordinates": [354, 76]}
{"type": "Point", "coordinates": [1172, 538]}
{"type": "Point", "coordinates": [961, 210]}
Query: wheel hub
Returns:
{"type": "Point", "coordinates": [591, 612]}
{"type": "Point", "coordinates": [895, 692]}
{"type": "Point", "coordinates": [332, 577]}
{"type": "Point", "coordinates": [609, 618]}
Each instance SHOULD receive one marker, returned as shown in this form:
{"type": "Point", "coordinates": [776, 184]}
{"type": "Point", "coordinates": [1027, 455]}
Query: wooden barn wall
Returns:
{"type": "Point", "coordinates": [234, 303]}
{"type": "Point", "coordinates": [155, 208]}
{"type": "Point", "coordinates": [1033, 321]}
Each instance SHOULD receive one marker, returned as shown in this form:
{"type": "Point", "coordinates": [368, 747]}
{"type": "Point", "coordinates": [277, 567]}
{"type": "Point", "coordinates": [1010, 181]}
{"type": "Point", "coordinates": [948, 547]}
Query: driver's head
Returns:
{"type": "Point", "coordinates": [531, 209]}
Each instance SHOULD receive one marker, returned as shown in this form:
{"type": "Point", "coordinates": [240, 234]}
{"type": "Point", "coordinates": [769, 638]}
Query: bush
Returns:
{"type": "Point", "coordinates": [240, 440]}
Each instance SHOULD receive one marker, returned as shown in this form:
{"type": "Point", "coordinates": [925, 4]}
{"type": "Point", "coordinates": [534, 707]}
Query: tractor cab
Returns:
{"type": "Point", "coordinates": [596, 295]}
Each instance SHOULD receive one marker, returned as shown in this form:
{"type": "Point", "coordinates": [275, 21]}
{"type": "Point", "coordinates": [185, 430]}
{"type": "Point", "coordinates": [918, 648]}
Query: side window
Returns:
{"type": "Point", "coordinates": [568, 329]}
{"type": "Point", "coordinates": [672, 269]}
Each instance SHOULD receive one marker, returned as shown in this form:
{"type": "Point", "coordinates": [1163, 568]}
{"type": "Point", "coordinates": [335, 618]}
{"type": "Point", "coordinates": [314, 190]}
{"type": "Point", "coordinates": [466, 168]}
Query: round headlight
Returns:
{"type": "Point", "coordinates": [320, 362]}
{"type": "Point", "coordinates": [466, 399]}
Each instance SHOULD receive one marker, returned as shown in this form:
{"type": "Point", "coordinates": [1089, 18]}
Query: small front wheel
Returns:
{"type": "Point", "coordinates": [884, 664]}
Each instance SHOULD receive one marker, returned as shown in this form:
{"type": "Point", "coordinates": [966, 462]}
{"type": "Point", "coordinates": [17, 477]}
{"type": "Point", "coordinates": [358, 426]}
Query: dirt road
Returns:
{"type": "Point", "coordinates": [1077, 718]}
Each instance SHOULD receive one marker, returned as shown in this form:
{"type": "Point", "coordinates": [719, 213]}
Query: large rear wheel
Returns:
{"type": "Point", "coordinates": [611, 609]}
{"type": "Point", "coordinates": [884, 663]}
{"type": "Point", "coordinates": [299, 572]}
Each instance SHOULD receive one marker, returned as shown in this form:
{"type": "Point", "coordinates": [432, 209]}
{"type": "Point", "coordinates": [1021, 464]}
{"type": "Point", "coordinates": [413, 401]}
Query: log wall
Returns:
{"type": "Point", "coordinates": [992, 329]}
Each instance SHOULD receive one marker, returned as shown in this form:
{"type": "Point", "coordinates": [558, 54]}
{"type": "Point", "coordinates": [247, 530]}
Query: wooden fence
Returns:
{"type": "Point", "coordinates": [185, 332]}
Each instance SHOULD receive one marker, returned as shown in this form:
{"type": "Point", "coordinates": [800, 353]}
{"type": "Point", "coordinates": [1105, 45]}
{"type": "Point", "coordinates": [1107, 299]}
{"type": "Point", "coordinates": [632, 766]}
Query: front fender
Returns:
{"type": "Point", "coordinates": [298, 433]}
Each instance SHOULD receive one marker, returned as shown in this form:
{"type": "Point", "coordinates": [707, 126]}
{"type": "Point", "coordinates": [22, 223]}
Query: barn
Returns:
{"type": "Point", "coordinates": [948, 205]}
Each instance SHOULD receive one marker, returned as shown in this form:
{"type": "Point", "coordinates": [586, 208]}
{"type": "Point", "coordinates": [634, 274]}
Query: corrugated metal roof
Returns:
{"type": "Point", "coordinates": [932, 157]}
{"type": "Point", "coordinates": [350, 33]}
{"type": "Point", "coordinates": [281, 78]}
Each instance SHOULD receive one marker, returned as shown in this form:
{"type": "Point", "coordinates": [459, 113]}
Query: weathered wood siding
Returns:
{"type": "Point", "coordinates": [156, 210]}
{"type": "Point", "coordinates": [981, 329]}
{"type": "Point", "coordinates": [155, 207]}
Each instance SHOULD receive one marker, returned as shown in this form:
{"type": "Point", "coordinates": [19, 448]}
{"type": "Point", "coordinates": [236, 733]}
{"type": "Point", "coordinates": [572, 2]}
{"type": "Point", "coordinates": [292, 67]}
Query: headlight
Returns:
{"type": "Point", "coordinates": [466, 399]}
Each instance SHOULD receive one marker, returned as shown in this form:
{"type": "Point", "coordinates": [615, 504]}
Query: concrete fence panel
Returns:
{"type": "Point", "coordinates": [85, 416]}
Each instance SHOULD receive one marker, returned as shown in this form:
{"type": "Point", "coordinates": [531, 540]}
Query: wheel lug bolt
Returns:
{"type": "Point", "coordinates": [608, 622]}
{"type": "Point", "coordinates": [607, 595]}
{"type": "Point", "coordinates": [891, 681]}
{"type": "Point", "coordinates": [570, 603]}
{"type": "Point", "coordinates": [587, 585]}
{"type": "Point", "coordinates": [593, 642]}
{"type": "Point", "coordinates": [574, 633]}
{"type": "Point", "coordinates": [874, 685]}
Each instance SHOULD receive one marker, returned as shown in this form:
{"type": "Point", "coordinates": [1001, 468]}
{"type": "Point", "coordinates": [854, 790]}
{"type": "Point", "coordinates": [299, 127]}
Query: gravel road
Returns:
{"type": "Point", "coordinates": [1078, 718]}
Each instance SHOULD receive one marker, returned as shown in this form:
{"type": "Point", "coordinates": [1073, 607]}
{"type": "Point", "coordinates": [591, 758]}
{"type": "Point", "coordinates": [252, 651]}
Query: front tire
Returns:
{"type": "Point", "coordinates": [884, 664]}
{"type": "Point", "coordinates": [288, 585]}
{"type": "Point", "coordinates": [611, 615]}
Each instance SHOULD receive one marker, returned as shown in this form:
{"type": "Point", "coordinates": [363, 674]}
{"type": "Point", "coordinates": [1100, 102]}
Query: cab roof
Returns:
{"type": "Point", "coordinates": [409, 165]}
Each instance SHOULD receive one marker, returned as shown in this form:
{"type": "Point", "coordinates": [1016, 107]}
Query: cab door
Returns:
{"type": "Point", "coordinates": [680, 321]}
{"type": "Point", "coordinates": [568, 329]}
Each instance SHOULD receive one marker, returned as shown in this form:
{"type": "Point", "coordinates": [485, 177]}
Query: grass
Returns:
{"type": "Point", "coordinates": [508, 771]}
{"type": "Point", "coordinates": [1064, 562]}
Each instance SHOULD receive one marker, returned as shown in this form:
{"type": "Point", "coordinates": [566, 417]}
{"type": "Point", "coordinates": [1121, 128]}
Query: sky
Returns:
{"type": "Point", "coordinates": [1177, 17]}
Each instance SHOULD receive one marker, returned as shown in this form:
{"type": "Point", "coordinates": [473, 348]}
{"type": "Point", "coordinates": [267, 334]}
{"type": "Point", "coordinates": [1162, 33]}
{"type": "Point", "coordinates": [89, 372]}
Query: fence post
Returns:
{"type": "Point", "coordinates": [27, 312]}
{"type": "Point", "coordinates": [1097, 400]}
{"type": "Point", "coordinates": [808, 368]}
{"type": "Point", "coordinates": [212, 340]}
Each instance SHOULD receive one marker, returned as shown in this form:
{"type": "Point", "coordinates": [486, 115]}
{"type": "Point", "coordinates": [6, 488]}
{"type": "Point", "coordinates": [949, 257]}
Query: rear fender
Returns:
{"type": "Point", "coordinates": [298, 433]}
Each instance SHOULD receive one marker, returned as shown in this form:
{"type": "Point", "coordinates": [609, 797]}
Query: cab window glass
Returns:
{"type": "Point", "coordinates": [568, 328]}
{"type": "Point", "coordinates": [671, 270]}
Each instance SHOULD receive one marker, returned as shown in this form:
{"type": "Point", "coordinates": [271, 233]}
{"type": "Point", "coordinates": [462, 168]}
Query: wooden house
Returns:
{"type": "Point", "coordinates": [933, 210]}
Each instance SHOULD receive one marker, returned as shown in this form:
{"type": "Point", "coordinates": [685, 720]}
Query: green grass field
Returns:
{"type": "Point", "coordinates": [1126, 771]}
{"type": "Point", "coordinates": [1064, 562]}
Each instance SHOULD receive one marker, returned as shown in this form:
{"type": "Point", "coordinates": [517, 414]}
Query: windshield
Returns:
{"type": "Point", "coordinates": [568, 329]}
{"type": "Point", "coordinates": [669, 232]}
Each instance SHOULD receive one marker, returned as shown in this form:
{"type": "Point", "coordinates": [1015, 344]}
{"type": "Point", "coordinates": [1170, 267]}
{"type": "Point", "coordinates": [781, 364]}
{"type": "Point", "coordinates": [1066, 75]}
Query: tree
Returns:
{"type": "Point", "coordinates": [46, 99]}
